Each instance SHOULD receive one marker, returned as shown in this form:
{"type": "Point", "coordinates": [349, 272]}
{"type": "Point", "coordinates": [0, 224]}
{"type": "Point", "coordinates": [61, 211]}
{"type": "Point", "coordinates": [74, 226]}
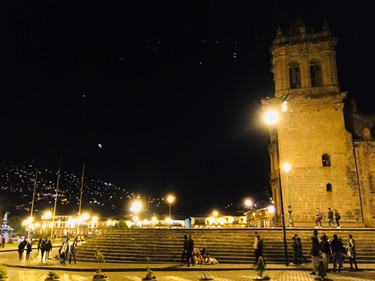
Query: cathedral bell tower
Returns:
{"type": "Point", "coordinates": [311, 152]}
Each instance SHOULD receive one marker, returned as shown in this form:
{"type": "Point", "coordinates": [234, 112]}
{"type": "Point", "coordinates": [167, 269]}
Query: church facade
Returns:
{"type": "Point", "coordinates": [322, 151]}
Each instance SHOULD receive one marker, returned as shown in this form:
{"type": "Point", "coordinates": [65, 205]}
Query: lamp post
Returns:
{"type": "Point", "coordinates": [272, 118]}
{"type": "Point", "coordinates": [55, 204]}
{"type": "Point", "coordinates": [32, 202]}
{"type": "Point", "coordinates": [170, 199]}
{"type": "Point", "coordinates": [80, 197]}
{"type": "Point", "coordinates": [287, 168]}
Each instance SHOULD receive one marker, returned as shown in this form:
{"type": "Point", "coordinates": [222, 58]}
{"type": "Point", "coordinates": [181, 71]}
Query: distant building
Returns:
{"type": "Point", "coordinates": [328, 145]}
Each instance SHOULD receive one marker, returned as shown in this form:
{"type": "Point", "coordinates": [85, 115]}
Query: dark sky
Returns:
{"type": "Point", "coordinates": [170, 89]}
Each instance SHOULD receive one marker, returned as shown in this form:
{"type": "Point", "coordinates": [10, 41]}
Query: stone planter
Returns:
{"type": "Point", "coordinates": [100, 277]}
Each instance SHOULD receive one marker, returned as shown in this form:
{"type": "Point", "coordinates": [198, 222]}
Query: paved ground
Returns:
{"type": "Point", "coordinates": [35, 270]}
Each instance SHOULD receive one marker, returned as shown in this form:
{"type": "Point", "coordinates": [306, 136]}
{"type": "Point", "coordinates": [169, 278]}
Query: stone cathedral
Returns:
{"type": "Point", "coordinates": [322, 150]}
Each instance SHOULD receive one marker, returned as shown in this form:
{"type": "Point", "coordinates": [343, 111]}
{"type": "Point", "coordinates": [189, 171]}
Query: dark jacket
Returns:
{"type": "Point", "coordinates": [315, 246]}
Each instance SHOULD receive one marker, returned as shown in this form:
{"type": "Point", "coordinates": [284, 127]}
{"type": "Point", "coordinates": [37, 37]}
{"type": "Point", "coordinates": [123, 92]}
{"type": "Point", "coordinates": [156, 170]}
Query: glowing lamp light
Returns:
{"type": "Point", "coordinates": [272, 117]}
{"type": "Point", "coordinates": [136, 207]}
{"type": "Point", "coordinates": [248, 203]}
{"type": "Point", "coordinates": [271, 209]}
{"type": "Point", "coordinates": [287, 167]}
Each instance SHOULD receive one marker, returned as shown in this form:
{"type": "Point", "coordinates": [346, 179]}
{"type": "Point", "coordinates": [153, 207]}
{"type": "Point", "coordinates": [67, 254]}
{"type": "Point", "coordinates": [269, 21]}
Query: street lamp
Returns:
{"type": "Point", "coordinates": [248, 203]}
{"type": "Point", "coordinates": [287, 168]}
{"type": "Point", "coordinates": [272, 118]}
{"type": "Point", "coordinates": [32, 202]}
{"type": "Point", "coordinates": [170, 199]}
{"type": "Point", "coordinates": [136, 206]}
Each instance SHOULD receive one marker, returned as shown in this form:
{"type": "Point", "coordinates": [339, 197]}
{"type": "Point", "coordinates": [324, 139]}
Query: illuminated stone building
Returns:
{"type": "Point", "coordinates": [328, 145]}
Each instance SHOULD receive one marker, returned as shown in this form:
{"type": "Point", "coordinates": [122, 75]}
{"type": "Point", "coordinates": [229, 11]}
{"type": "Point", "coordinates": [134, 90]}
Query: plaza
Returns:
{"type": "Point", "coordinates": [34, 270]}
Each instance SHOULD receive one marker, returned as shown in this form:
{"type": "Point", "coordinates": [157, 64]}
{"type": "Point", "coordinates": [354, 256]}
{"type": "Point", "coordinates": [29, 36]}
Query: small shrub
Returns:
{"type": "Point", "coordinates": [150, 274]}
{"type": "Point", "coordinates": [52, 276]}
{"type": "Point", "coordinates": [3, 272]}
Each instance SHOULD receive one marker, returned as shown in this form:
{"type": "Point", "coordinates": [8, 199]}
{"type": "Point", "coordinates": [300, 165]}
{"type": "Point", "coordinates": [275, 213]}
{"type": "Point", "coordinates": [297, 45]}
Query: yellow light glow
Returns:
{"type": "Point", "coordinates": [171, 198]}
{"type": "Point", "coordinates": [271, 209]}
{"type": "Point", "coordinates": [272, 117]}
{"type": "Point", "coordinates": [47, 215]}
{"type": "Point", "coordinates": [248, 203]}
{"type": "Point", "coordinates": [211, 220]}
{"type": "Point", "coordinates": [136, 206]}
{"type": "Point", "coordinates": [109, 222]}
{"type": "Point", "coordinates": [84, 217]}
{"type": "Point", "coordinates": [215, 213]}
{"type": "Point", "coordinates": [287, 167]}
{"type": "Point", "coordinates": [284, 106]}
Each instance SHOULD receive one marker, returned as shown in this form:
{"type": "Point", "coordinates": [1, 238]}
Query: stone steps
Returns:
{"type": "Point", "coordinates": [226, 245]}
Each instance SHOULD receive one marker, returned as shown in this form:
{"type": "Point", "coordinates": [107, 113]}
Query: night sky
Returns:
{"type": "Point", "coordinates": [159, 96]}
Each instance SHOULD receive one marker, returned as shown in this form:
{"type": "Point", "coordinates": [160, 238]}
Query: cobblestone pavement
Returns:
{"type": "Point", "coordinates": [17, 274]}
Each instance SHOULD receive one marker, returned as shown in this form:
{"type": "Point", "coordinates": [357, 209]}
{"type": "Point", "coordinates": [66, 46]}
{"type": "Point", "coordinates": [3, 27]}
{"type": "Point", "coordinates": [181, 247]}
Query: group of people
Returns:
{"type": "Point", "coordinates": [332, 250]}
{"type": "Point", "coordinates": [68, 251]}
{"type": "Point", "coordinates": [192, 255]}
{"type": "Point", "coordinates": [45, 247]}
{"type": "Point", "coordinates": [333, 217]}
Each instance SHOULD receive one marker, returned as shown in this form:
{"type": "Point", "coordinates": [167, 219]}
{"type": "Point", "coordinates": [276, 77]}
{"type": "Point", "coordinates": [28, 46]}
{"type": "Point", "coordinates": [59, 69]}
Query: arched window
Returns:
{"type": "Point", "coordinates": [326, 160]}
{"type": "Point", "coordinates": [316, 74]}
{"type": "Point", "coordinates": [329, 187]}
{"type": "Point", "coordinates": [294, 76]}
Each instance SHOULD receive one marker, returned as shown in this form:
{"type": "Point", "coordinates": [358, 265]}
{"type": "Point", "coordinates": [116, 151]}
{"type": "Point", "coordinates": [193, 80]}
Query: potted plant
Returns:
{"type": "Point", "coordinates": [150, 274]}
{"type": "Point", "coordinates": [100, 275]}
{"type": "Point", "coordinates": [260, 269]}
{"type": "Point", "coordinates": [3, 273]}
{"type": "Point", "coordinates": [52, 276]}
{"type": "Point", "coordinates": [322, 273]}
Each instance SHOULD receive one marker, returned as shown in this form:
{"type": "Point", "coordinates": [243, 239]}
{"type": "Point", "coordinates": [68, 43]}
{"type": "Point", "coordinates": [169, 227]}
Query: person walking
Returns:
{"type": "Point", "coordinates": [297, 250]}
{"type": "Point", "coordinates": [29, 248]}
{"type": "Point", "coordinates": [48, 250]}
{"type": "Point", "coordinates": [21, 248]}
{"type": "Point", "coordinates": [190, 251]}
{"type": "Point", "coordinates": [318, 218]}
{"type": "Point", "coordinates": [40, 243]}
{"type": "Point", "coordinates": [352, 253]}
{"type": "Point", "coordinates": [2, 241]}
{"type": "Point", "coordinates": [330, 217]}
{"type": "Point", "coordinates": [258, 247]}
{"type": "Point", "coordinates": [63, 251]}
{"type": "Point", "coordinates": [337, 247]}
{"type": "Point", "coordinates": [42, 250]}
{"type": "Point", "coordinates": [184, 251]}
{"type": "Point", "coordinates": [73, 252]}
{"type": "Point", "coordinates": [325, 249]}
{"type": "Point", "coordinates": [314, 251]}
{"type": "Point", "coordinates": [338, 218]}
